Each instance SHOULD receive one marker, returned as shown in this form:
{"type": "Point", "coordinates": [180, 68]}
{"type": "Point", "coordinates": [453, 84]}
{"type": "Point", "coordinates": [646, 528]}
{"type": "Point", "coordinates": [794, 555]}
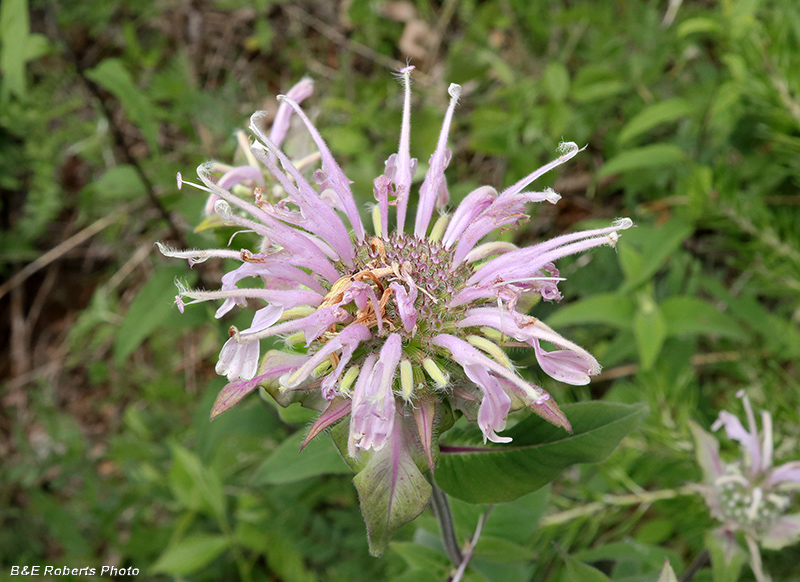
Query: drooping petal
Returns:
{"type": "Point", "coordinates": [565, 365]}
{"type": "Point", "coordinates": [575, 368]}
{"type": "Point", "coordinates": [466, 355]}
{"type": "Point", "coordinates": [238, 360]}
{"type": "Point", "coordinates": [495, 403]}
{"type": "Point", "coordinates": [373, 400]}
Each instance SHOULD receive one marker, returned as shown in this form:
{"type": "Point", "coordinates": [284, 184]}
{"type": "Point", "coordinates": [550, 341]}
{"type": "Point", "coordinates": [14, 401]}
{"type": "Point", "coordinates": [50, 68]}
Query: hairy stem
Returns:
{"type": "Point", "coordinates": [441, 509]}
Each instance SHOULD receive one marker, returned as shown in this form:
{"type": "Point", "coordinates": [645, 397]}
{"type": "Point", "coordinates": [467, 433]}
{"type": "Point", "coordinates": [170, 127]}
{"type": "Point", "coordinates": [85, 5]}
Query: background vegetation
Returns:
{"type": "Point", "coordinates": [691, 113]}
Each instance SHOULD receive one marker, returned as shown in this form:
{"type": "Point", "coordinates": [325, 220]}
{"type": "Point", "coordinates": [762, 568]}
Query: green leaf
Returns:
{"type": "Point", "coordinates": [14, 29]}
{"type": "Point", "coordinates": [120, 183]}
{"type": "Point", "coordinates": [655, 246]}
{"type": "Point", "coordinates": [647, 556]}
{"type": "Point", "coordinates": [479, 473]}
{"type": "Point", "coordinates": [577, 571]}
{"type": "Point", "coordinates": [632, 263]}
{"type": "Point", "coordinates": [196, 487]}
{"type": "Point", "coordinates": [656, 114]}
{"type": "Point", "coordinates": [650, 330]}
{"type": "Point", "coordinates": [698, 25]}
{"type": "Point", "coordinates": [649, 156]}
{"type": "Point", "coordinates": [555, 81]}
{"type": "Point", "coordinates": [190, 554]}
{"type": "Point", "coordinates": [111, 74]}
{"type": "Point", "coordinates": [596, 82]}
{"type": "Point", "coordinates": [288, 463]}
{"type": "Point", "coordinates": [420, 557]}
{"type": "Point", "coordinates": [692, 316]}
{"type": "Point", "coordinates": [417, 576]}
{"type": "Point", "coordinates": [498, 549]}
{"type": "Point", "coordinates": [516, 521]}
{"type": "Point", "coordinates": [609, 308]}
{"type": "Point", "coordinates": [148, 311]}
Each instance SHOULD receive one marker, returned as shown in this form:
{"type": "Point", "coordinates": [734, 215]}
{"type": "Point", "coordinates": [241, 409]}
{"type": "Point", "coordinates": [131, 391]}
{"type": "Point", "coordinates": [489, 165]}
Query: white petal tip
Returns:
{"type": "Point", "coordinates": [552, 196]}
{"type": "Point", "coordinates": [454, 90]}
{"type": "Point", "coordinates": [622, 223]}
{"type": "Point", "coordinates": [567, 148]}
{"type": "Point", "coordinates": [223, 209]}
{"type": "Point", "coordinates": [179, 180]}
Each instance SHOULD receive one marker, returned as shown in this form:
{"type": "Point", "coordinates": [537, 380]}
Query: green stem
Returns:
{"type": "Point", "coordinates": [607, 501]}
{"type": "Point", "coordinates": [441, 509]}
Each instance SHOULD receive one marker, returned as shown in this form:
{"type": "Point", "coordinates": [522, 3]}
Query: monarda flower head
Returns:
{"type": "Point", "coordinates": [749, 494]}
{"type": "Point", "coordinates": [393, 331]}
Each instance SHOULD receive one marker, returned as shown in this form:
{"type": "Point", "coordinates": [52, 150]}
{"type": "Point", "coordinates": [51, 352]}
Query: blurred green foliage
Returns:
{"type": "Point", "coordinates": [693, 130]}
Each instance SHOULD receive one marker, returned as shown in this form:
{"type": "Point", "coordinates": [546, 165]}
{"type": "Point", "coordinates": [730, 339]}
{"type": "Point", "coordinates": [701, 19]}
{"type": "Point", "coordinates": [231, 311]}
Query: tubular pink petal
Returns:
{"type": "Point", "coordinates": [495, 403]}
{"type": "Point", "coordinates": [319, 217]}
{"type": "Point", "coordinates": [359, 394]}
{"type": "Point", "coordinates": [401, 168]}
{"type": "Point", "coordinates": [785, 532]}
{"type": "Point", "coordinates": [240, 174]}
{"type": "Point", "coordinates": [291, 239]}
{"type": "Point", "coordinates": [736, 431]}
{"type": "Point", "coordinates": [346, 341]}
{"type": "Point", "coordinates": [564, 365]}
{"type": "Point", "coordinates": [299, 92]}
{"type": "Point", "coordinates": [531, 330]}
{"type": "Point", "coordinates": [337, 179]}
{"type": "Point", "coordinates": [473, 204]}
{"type": "Point", "coordinates": [786, 473]}
{"type": "Point", "coordinates": [756, 466]}
{"type": "Point", "coordinates": [568, 150]}
{"type": "Point", "coordinates": [434, 181]}
{"type": "Point", "coordinates": [504, 211]}
{"type": "Point", "coordinates": [373, 400]}
{"type": "Point", "coordinates": [405, 305]}
{"type": "Point", "coordinates": [238, 360]}
{"type": "Point", "coordinates": [519, 264]}
{"type": "Point", "coordinates": [466, 355]}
